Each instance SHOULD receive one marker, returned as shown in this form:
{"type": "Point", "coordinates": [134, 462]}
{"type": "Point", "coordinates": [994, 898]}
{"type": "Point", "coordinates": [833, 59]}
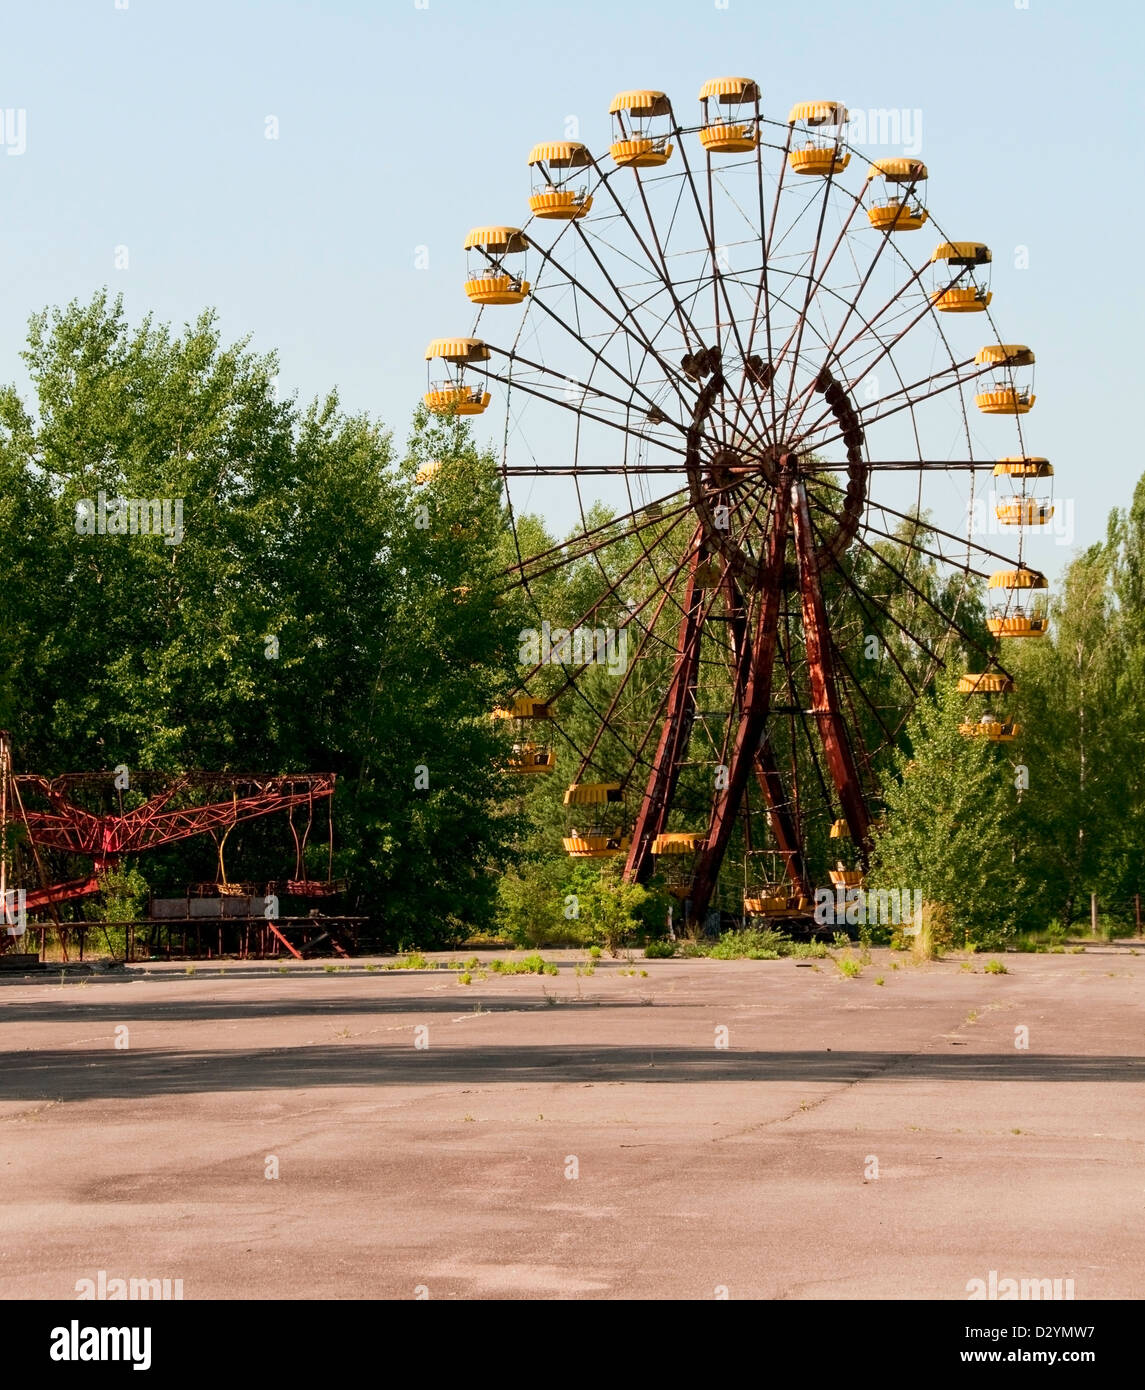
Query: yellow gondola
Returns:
{"type": "Point", "coordinates": [601, 839]}
{"type": "Point", "coordinates": [897, 208]}
{"type": "Point", "coordinates": [736, 131]}
{"type": "Point", "coordinates": [642, 121]}
{"type": "Point", "coordinates": [822, 125]}
{"type": "Point", "coordinates": [528, 755]}
{"type": "Point", "coordinates": [961, 256]}
{"type": "Point", "coordinates": [1006, 394]}
{"type": "Point", "coordinates": [455, 394]}
{"type": "Point", "coordinates": [1021, 621]}
{"type": "Point", "coordinates": [496, 258]}
{"type": "Point", "coordinates": [988, 726]}
{"type": "Point", "coordinates": [555, 167]}
{"type": "Point", "coordinates": [1020, 509]}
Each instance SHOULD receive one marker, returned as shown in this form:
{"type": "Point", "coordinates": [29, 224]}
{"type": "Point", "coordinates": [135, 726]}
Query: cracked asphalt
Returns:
{"type": "Point", "coordinates": [290, 1133]}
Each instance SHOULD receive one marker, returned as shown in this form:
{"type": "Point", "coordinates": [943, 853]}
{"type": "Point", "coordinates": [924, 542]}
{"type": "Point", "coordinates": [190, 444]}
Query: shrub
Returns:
{"type": "Point", "coordinates": [752, 943]}
{"type": "Point", "coordinates": [528, 965]}
{"type": "Point", "coordinates": [124, 891]}
{"type": "Point", "coordinates": [659, 950]}
{"type": "Point", "coordinates": [413, 961]}
{"type": "Point", "coordinates": [805, 950]}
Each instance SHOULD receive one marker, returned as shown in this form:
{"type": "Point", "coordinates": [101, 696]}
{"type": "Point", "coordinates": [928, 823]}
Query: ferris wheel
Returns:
{"type": "Point", "coordinates": [769, 414]}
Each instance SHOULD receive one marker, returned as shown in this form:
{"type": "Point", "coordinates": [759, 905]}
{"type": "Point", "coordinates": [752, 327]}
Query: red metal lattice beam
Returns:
{"type": "Point", "coordinates": [824, 693]}
{"type": "Point", "coordinates": [70, 828]}
{"type": "Point", "coordinates": [783, 826]}
{"type": "Point", "coordinates": [679, 716]}
{"type": "Point", "coordinates": [756, 701]}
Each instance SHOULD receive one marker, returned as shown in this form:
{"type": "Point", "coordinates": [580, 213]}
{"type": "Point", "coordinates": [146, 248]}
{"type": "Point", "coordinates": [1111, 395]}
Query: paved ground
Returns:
{"type": "Point", "coordinates": [578, 1138]}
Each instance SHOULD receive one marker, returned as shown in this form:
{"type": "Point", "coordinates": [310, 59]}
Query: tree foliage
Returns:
{"type": "Point", "coordinates": [304, 620]}
{"type": "Point", "coordinates": [952, 828]}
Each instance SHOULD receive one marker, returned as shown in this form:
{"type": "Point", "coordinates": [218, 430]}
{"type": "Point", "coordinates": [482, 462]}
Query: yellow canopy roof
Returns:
{"type": "Point", "coordinates": [561, 154]}
{"type": "Point", "coordinates": [972, 252]}
{"type": "Point", "coordinates": [985, 683]}
{"type": "Point", "coordinates": [502, 239]}
{"type": "Point", "coordinates": [818, 113]}
{"type": "Point", "coordinates": [678, 842]}
{"type": "Point", "coordinates": [1018, 579]}
{"type": "Point", "coordinates": [897, 170]}
{"type": "Point", "coordinates": [523, 707]}
{"type": "Point", "coordinates": [458, 350]}
{"type": "Point", "coordinates": [729, 90]}
{"type": "Point", "coordinates": [1011, 354]}
{"type": "Point", "coordinates": [592, 793]}
{"type": "Point", "coordinates": [640, 103]}
{"type": "Point", "coordinates": [1027, 465]}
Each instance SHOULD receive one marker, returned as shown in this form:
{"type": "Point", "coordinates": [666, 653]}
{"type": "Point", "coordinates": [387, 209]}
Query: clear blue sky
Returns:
{"type": "Point", "coordinates": [403, 126]}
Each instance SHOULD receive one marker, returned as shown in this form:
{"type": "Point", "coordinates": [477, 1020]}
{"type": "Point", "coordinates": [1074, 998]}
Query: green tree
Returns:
{"type": "Point", "coordinates": [1078, 815]}
{"type": "Point", "coordinates": [610, 909]}
{"type": "Point", "coordinates": [432, 799]}
{"type": "Point", "coordinates": [952, 824]}
{"type": "Point", "coordinates": [299, 621]}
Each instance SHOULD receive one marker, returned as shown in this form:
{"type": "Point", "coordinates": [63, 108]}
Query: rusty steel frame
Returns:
{"type": "Point", "coordinates": [781, 589]}
{"type": "Point", "coordinates": [675, 732]}
{"type": "Point", "coordinates": [824, 694]}
{"type": "Point", "coordinates": [756, 700]}
{"type": "Point", "coordinates": [105, 839]}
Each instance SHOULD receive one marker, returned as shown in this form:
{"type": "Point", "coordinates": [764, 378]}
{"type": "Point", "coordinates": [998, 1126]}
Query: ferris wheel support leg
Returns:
{"type": "Point", "coordinates": [837, 750]}
{"type": "Point", "coordinates": [767, 773]}
{"type": "Point", "coordinates": [753, 720]}
{"type": "Point", "coordinates": [678, 719]}
{"type": "Point", "coordinates": [782, 825]}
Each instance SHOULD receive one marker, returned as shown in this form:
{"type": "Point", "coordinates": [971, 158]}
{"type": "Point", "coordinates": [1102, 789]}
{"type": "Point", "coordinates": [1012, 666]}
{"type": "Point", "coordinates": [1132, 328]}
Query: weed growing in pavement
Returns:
{"type": "Point", "coordinates": [659, 950]}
